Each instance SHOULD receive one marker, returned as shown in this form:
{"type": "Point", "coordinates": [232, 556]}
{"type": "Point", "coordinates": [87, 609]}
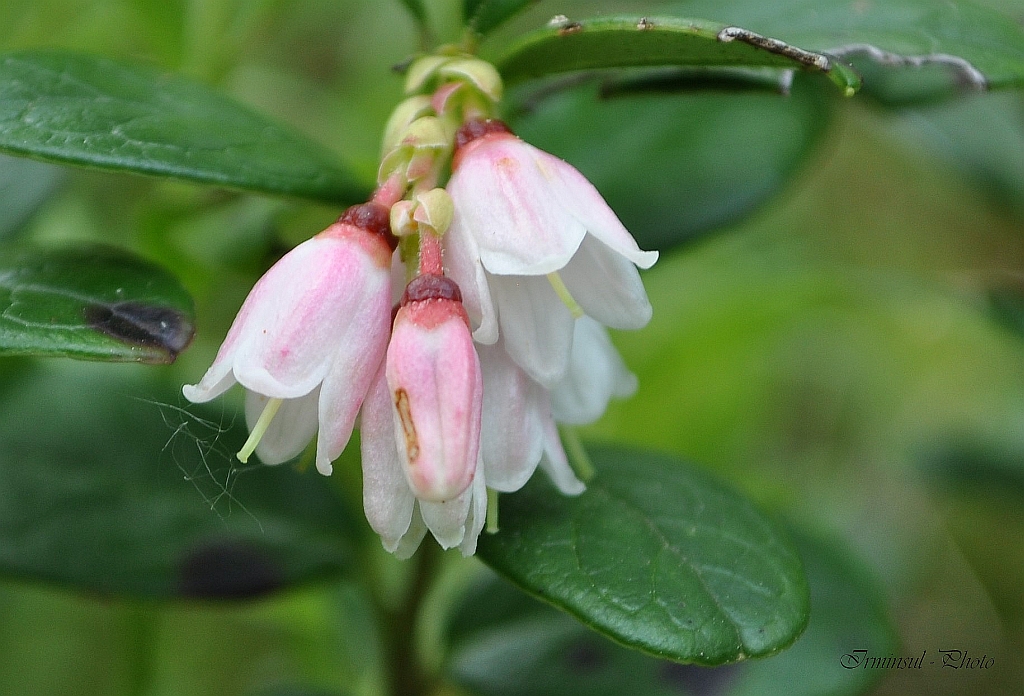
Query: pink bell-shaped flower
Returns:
{"type": "Point", "coordinates": [309, 338]}
{"type": "Point", "coordinates": [433, 373]}
{"type": "Point", "coordinates": [420, 426]}
{"type": "Point", "coordinates": [533, 245]}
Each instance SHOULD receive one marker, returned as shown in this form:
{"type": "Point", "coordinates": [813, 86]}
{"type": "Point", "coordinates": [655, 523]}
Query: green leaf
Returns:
{"type": "Point", "coordinates": [120, 491]}
{"type": "Point", "coordinates": [484, 15]}
{"type": "Point", "coordinates": [705, 160]}
{"type": "Point", "coordinates": [91, 111]}
{"type": "Point", "coordinates": [24, 186]}
{"type": "Point", "coordinates": [617, 42]}
{"type": "Point", "coordinates": [906, 50]}
{"type": "Point", "coordinates": [91, 303]}
{"type": "Point", "coordinates": [506, 644]}
{"type": "Point", "coordinates": [658, 556]}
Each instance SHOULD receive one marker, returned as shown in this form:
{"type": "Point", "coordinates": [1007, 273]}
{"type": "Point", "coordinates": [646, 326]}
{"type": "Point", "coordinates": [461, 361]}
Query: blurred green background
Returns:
{"type": "Point", "coordinates": [848, 352]}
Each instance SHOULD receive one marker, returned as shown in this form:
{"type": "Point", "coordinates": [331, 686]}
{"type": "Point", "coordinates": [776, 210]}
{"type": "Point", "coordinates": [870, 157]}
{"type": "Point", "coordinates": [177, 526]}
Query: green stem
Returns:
{"type": "Point", "coordinates": [406, 670]}
{"type": "Point", "coordinates": [143, 632]}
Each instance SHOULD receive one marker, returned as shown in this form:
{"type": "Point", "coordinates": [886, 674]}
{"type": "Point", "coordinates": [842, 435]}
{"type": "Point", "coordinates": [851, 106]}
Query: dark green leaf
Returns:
{"type": "Point", "coordinates": [616, 42]}
{"type": "Point", "coordinates": [507, 644]}
{"type": "Point", "coordinates": [907, 50]}
{"type": "Point", "coordinates": [484, 15]}
{"type": "Point", "coordinates": [85, 110]}
{"type": "Point", "coordinates": [657, 555]}
{"type": "Point", "coordinates": [107, 485]}
{"type": "Point", "coordinates": [704, 160]}
{"type": "Point", "coordinates": [24, 185]}
{"type": "Point", "coordinates": [92, 303]}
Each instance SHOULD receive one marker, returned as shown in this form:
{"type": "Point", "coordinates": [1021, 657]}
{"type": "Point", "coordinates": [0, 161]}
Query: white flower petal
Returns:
{"type": "Point", "coordinates": [291, 429]}
{"type": "Point", "coordinates": [535, 324]}
{"type": "Point", "coordinates": [510, 437]}
{"type": "Point", "coordinates": [447, 520]}
{"type": "Point", "coordinates": [584, 202]}
{"type": "Point", "coordinates": [607, 286]}
{"type": "Point", "coordinates": [596, 374]}
{"type": "Point", "coordinates": [476, 518]}
{"type": "Point", "coordinates": [410, 541]}
{"type": "Point", "coordinates": [387, 500]}
{"type": "Point", "coordinates": [556, 464]}
{"type": "Point", "coordinates": [463, 265]}
{"type": "Point", "coordinates": [217, 380]}
{"type": "Point", "coordinates": [502, 198]}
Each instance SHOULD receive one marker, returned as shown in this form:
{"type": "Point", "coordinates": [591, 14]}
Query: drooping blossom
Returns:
{"type": "Point", "coordinates": [533, 245]}
{"type": "Point", "coordinates": [308, 340]}
{"type": "Point", "coordinates": [420, 426]}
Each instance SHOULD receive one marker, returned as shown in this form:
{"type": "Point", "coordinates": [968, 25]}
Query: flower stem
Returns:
{"type": "Point", "coordinates": [400, 626]}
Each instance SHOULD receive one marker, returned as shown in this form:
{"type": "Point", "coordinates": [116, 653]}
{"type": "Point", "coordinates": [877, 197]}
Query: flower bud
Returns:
{"type": "Point", "coordinates": [402, 117]}
{"type": "Point", "coordinates": [434, 211]}
{"type": "Point", "coordinates": [421, 72]}
{"type": "Point", "coordinates": [478, 73]}
{"type": "Point", "coordinates": [433, 374]}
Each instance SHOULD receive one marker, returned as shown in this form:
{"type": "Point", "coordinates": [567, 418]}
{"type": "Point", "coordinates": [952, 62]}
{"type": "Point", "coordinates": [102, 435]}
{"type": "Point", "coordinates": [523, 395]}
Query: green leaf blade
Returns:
{"type": "Point", "coordinates": [505, 643]}
{"type": "Point", "coordinates": [907, 50]}
{"type": "Point", "coordinates": [617, 42]}
{"type": "Point", "coordinates": [659, 557]}
{"type": "Point", "coordinates": [92, 303]}
{"type": "Point", "coordinates": [107, 485]}
{"type": "Point", "coordinates": [90, 111]}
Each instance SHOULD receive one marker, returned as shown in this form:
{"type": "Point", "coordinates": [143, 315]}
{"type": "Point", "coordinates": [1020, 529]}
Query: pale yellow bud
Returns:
{"type": "Point", "coordinates": [435, 211]}
{"type": "Point", "coordinates": [478, 73]}
{"type": "Point", "coordinates": [402, 117]}
{"type": "Point", "coordinates": [421, 71]}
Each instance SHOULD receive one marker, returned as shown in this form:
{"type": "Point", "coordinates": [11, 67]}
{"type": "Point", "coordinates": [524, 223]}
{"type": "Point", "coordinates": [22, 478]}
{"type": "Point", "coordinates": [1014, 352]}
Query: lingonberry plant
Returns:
{"type": "Point", "coordinates": [436, 274]}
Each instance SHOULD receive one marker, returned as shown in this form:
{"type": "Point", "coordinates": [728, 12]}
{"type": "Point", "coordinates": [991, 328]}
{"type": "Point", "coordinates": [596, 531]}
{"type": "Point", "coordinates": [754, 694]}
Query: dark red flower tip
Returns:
{"type": "Point", "coordinates": [478, 128]}
{"type": "Point", "coordinates": [373, 218]}
{"type": "Point", "coordinates": [430, 286]}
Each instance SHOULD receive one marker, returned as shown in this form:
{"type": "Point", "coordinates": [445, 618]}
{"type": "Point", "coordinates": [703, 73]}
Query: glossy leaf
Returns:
{"type": "Point", "coordinates": [658, 556]}
{"type": "Point", "coordinates": [24, 186]}
{"type": "Point", "coordinates": [90, 111]}
{"type": "Point", "coordinates": [616, 42]}
{"type": "Point", "coordinates": [107, 485]}
{"type": "Point", "coordinates": [484, 15]}
{"type": "Point", "coordinates": [91, 303]}
{"type": "Point", "coordinates": [907, 50]}
{"type": "Point", "coordinates": [705, 160]}
{"type": "Point", "coordinates": [506, 644]}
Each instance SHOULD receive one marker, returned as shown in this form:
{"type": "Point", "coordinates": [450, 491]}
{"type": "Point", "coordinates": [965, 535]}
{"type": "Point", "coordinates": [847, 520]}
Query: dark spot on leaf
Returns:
{"type": "Point", "coordinates": [228, 570]}
{"type": "Point", "coordinates": [585, 657]}
{"type": "Point", "coordinates": [698, 681]}
{"type": "Point", "coordinates": [570, 28]}
{"type": "Point", "coordinates": [148, 326]}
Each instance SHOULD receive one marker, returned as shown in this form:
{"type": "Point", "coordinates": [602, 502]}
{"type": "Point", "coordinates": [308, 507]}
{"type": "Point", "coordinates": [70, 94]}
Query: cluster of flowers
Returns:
{"type": "Point", "coordinates": [507, 278]}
